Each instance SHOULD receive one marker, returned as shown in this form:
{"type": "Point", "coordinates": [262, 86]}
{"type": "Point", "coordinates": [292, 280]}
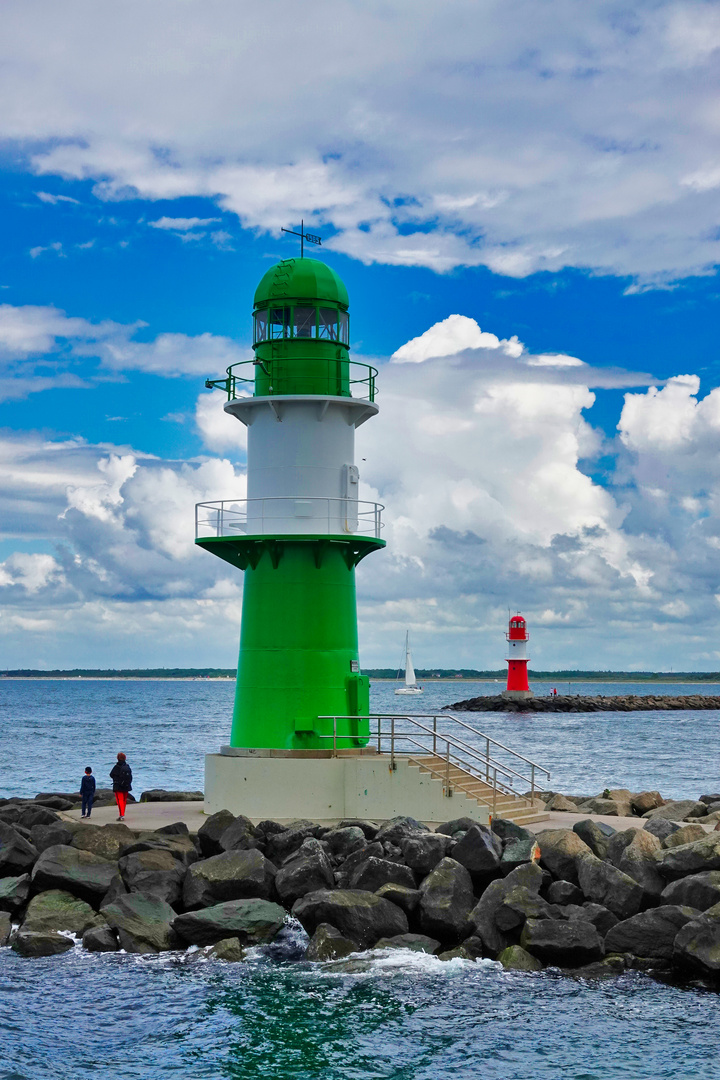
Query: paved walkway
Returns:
{"type": "Point", "coordinates": [155, 815]}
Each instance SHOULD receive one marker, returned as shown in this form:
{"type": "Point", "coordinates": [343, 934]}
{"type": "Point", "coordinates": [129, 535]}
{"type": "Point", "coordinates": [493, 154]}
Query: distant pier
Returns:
{"type": "Point", "coordinates": [596, 703]}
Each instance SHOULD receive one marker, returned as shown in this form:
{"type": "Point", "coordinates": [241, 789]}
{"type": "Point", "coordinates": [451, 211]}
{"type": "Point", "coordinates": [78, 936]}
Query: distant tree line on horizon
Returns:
{"type": "Point", "coordinates": [374, 673]}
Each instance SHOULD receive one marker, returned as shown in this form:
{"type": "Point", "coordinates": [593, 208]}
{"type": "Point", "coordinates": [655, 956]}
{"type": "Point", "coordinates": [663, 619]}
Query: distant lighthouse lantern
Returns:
{"type": "Point", "coordinates": [517, 637]}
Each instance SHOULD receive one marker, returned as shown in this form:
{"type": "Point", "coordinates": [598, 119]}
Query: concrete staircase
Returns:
{"type": "Point", "coordinates": [502, 804]}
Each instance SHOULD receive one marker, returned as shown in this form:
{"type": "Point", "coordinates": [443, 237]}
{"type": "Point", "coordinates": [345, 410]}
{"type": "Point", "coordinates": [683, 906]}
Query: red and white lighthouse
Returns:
{"type": "Point", "coordinates": [517, 659]}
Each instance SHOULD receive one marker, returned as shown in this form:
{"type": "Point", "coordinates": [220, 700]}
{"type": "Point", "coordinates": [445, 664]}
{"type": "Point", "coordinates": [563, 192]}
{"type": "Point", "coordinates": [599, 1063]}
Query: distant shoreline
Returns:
{"type": "Point", "coordinates": [687, 678]}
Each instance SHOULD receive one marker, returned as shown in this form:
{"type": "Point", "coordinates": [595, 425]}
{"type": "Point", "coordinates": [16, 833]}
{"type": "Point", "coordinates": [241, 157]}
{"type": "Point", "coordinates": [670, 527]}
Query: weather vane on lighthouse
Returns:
{"type": "Point", "coordinates": [310, 237]}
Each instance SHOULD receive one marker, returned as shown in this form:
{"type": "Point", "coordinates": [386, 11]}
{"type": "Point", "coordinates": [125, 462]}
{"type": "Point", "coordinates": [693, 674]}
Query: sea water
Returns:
{"type": "Point", "coordinates": [50, 729]}
{"type": "Point", "coordinates": [399, 1015]}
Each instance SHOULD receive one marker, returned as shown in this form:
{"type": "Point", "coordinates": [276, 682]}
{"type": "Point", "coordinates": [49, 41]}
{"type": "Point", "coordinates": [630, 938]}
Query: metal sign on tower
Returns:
{"type": "Point", "coordinates": [311, 238]}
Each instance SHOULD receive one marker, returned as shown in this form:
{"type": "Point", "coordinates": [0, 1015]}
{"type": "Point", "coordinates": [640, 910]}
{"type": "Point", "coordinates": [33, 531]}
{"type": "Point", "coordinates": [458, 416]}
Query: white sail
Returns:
{"type": "Point", "coordinates": [410, 686]}
{"type": "Point", "coordinates": [410, 679]}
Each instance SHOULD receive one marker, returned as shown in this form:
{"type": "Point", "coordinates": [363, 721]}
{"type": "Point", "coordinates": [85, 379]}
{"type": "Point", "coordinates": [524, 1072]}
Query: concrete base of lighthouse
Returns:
{"type": "Point", "coordinates": [517, 695]}
{"type": "Point", "coordinates": [282, 784]}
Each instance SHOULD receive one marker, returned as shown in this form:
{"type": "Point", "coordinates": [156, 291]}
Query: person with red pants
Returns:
{"type": "Point", "coordinates": [121, 776]}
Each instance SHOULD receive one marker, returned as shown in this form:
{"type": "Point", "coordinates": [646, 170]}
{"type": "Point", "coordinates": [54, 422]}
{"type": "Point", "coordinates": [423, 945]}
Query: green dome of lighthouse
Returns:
{"type": "Point", "coordinates": [301, 279]}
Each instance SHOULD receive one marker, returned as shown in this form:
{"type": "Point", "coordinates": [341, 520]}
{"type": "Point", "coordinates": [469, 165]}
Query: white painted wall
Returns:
{"type": "Point", "coordinates": [329, 789]}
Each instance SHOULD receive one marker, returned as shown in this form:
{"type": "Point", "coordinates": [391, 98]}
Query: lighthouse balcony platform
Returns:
{"type": "Point", "coordinates": [287, 517]}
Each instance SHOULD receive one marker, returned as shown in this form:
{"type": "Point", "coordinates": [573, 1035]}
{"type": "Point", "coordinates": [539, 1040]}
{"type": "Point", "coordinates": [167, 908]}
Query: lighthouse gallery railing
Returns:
{"type": "Point", "coordinates": [235, 517]}
{"type": "Point", "coordinates": [403, 735]}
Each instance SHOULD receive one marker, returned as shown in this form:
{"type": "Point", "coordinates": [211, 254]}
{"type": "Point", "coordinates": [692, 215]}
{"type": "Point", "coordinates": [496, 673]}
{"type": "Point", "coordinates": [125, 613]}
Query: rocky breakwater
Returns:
{"type": "Point", "coordinates": [620, 802]}
{"type": "Point", "coordinates": [581, 704]}
{"type": "Point", "coordinates": [589, 899]}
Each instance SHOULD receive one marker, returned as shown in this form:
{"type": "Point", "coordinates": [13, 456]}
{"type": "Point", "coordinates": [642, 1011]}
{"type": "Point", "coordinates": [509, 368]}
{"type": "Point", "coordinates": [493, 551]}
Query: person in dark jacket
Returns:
{"type": "Point", "coordinates": [87, 790]}
{"type": "Point", "coordinates": [121, 776]}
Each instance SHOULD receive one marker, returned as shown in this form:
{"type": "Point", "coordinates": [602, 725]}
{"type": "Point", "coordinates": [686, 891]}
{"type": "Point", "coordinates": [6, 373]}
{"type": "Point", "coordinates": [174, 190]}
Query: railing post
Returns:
{"type": "Point", "coordinates": [487, 760]}
{"type": "Point", "coordinates": [379, 734]}
{"type": "Point", "coordinates": [392, 744]}
{"type": "Point", "coordinates": [334, 736]}
{"type": "Point", "coordinates": [434, 736]}
{"type": "Point", "coordinates": [494, 804]}
{"type": "Point", "coordinates": [447, 769]}
{"type": "Point", "coordinates": [532, 782]}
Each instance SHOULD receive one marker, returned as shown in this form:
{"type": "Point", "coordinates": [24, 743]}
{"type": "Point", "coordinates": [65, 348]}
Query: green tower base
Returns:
{"type": "Point", "coordinates": [298, 641]}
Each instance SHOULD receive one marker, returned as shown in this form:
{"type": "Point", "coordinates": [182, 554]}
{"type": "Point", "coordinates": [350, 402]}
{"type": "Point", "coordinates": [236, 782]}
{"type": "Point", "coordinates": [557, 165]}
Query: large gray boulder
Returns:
{"type": "Point", "coordinates": [423, 853]}
{"type": "Point", "coordinates": [279, 846]}
{"type": "Point", "coordinates": [59, 910]}
{"type": "Point", "coordinates": [5, 928]}
{"type": "Point", "coordinates": [350, 864]}
{"type": "Point", "coordinates": [45, 836]}
{"type": "Point", "coordinates": [639, 862]}
{"type": "Point", "coordinates": [239, 835]}
{"type": "Point", "coordinates": [662, 828]}
{"type": "Point", "coordinates": [399, 828]}
{"type": "Point", "coordinates": [100, 939]}
{"type": "Point", "coordinates": [327, 943]}
{"type": "Point", "coordinates": [701, 891]}
{"type": "Point", "coordinates": [561, 850]}
{"type": "Point", "coordinates": [143, 923]}
{"type": "Point", "coordinates": [407, 899]}
{"type": "Point", "coordinates": [161, 795]}
{"type": "Point", "coordinates": [252, 921]}
{"type": "Point", "coordinates": [372, 873]}
{"type": "Point", "coordinates": [566, 944]}
{"type": "Point", "coordinates": [182, 847]}
{"type": "Point", "coordinates": [697, 945]}
{"type": "Point", "coordinates": [677, 810]}
{"type": "Point", "coordinates": [564, 892]}
{"type": "Point", "coordinates": [106, 841]}
{"type": "Point", "coordinates": [211, 830]}
{"type": "Point", "coordinates": [369, 828]}
{"type": "Point", "coordinates": [16, 853]}
{"type": "Point", "coordinates": [518, 905]}
{"type": "Point", "coordinates": [685, 834]}
{"type": "Point", "coordinates": [413, 942]}
{"type": "Point", "coordinates": [155, 873]}
{"type": "Point", "coordinates": [304, 874]}
{"type": "Point", "coordinates": [360, 916]}
{"type": "Point", "coordinates": [516, 852]}
{"type": "Point", "coordinates": [232, 875]}
{"type": "Point", "coordinates": [32, 945]}
{"type": "Point", "coordinates": [37, 815]}
{"type": "Point", "coordinates": [457, 825]}
{"type": "Point", "coordinates": [621, 839]}
{"type": "Point", "coordinates": [690, 858]}
{"type": "Point", "coordinates": [342, 842]}
{"type": "Point", "coordinates": [650, 933]}
{"type": "Point", "coordinates": [515, 958]}
{"type": "Point", "coordinates": [479, 852]}
{"type": "Point", "coordinates": [482, 916]}
{"type": "Point", "coordinates": [600, 917]}
{"type": "Point", "coordinates": [642, 801]}
{"type": "Point", "coordinates": [14, 892]}
{"type": "Point", "coordinates": [446, 900]}
{"type": "Point", "coordinates": [78, 872]}
{"type": "Point", "coordinates": [604, 884]}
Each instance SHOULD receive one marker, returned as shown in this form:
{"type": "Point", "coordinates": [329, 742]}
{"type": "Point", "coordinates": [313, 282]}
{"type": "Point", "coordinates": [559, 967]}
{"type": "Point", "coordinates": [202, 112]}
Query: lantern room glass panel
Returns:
{"type": "Point", "coordinates": [304, 322]}
{"type": "Point", "coordinates": [328, 323]}
{"type": "Point", "coordinates": [278, 322]}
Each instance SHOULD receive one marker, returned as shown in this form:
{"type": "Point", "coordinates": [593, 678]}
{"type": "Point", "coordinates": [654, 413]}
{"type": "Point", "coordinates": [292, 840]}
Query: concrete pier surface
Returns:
{"type": "Point", "coordinates": [154, 815]}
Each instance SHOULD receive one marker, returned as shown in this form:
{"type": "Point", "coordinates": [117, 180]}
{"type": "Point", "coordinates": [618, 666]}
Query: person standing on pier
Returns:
{"type": "Point", "coordinates": [121, 776]}
{"type": "Point", "coordinates": [87, 791]}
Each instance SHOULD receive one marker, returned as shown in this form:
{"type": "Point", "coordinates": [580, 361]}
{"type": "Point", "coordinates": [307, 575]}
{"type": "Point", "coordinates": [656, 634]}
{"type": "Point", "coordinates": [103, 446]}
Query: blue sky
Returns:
{"type": "Point", "coordinates": [550, 177]}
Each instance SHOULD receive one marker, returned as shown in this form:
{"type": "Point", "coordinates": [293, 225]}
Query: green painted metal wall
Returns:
{"type": "Point", "coordinates": [298, 646]}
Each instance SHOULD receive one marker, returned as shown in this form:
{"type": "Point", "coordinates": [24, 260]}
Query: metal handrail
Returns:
{"type": "Point", "coordinates": [496, 743]}
{"type": "Point", "coordinates": [229, 517]}
{"type": "Point", "coordinates": [488, 764]}
{"type": "Point", "coordinates": [336, 369]}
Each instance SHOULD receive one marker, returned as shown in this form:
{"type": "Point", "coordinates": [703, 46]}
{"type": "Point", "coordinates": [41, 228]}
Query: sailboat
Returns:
{"type": "Point", "coordinates": [410, 686]}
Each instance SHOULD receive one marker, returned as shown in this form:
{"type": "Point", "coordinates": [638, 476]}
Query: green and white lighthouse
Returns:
{"type": "Point", "coordinates": [302, 529]}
